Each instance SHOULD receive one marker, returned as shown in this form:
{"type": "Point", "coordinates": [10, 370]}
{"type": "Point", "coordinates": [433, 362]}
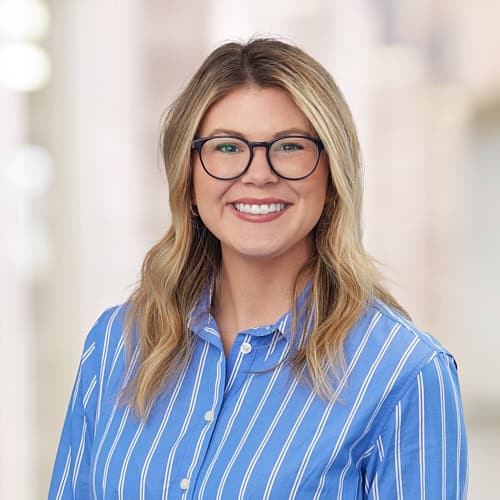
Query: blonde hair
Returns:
{"type": "Point", "coordinates": [343, 277]}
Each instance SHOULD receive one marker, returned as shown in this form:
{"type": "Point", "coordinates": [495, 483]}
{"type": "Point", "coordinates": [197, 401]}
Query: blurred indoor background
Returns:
{"type": "Point", "coordinates": [82, 195]}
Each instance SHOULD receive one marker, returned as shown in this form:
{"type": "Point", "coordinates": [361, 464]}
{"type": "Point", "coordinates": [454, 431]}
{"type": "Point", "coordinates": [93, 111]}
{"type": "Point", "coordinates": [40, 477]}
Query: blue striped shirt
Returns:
{"type": "Point", "coordinates": [229, 428]}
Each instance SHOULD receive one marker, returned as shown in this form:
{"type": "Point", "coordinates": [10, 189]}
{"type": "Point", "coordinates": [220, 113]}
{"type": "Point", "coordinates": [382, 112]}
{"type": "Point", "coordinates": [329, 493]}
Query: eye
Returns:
{"type": "Point", "coordinates": [227, 147]}
{"type": "Point", "coordinates": [290, 146]}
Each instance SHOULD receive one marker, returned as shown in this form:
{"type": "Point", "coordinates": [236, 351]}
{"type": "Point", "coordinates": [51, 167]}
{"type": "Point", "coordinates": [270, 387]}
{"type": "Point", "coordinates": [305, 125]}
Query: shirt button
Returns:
{"type": "Point", "coordinates": [209, 416]}
{"type": "Point", "coordinates": [185, 483]}
{"type": "Point", "coordinates": [246, 348]}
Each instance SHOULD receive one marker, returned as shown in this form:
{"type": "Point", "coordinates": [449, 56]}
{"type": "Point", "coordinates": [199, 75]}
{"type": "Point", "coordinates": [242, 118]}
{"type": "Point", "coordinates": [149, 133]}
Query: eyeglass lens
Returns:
{"type": "Point", "coordinates": [228, 157]}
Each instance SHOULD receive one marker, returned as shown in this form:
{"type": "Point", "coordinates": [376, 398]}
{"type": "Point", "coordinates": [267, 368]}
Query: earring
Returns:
{"type": "Point", "coordinates": [194, 211]}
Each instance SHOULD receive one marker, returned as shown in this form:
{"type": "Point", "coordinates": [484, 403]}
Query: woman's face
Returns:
{"type": "Point", "coordinates": [293, 206]}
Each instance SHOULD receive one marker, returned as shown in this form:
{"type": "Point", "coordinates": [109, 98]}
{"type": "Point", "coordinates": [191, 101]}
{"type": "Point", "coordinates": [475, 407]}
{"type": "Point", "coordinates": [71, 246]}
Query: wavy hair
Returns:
{"type": "Point", "coordinates": [342, 275]}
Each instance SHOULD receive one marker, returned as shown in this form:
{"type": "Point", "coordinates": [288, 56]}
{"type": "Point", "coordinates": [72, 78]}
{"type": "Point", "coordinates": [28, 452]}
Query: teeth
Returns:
{"type": "Point", "coordinates": [259, 209]}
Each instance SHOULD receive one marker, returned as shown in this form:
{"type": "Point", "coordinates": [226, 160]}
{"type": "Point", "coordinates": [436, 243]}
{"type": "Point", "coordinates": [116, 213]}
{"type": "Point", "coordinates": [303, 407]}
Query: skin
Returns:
{"type": "Point", "coordinates": [260, 257]}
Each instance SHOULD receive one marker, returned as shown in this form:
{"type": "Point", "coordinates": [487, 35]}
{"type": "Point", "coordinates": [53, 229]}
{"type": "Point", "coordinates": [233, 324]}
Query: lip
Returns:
{"type": "Point", "coordinates": [259, 201]}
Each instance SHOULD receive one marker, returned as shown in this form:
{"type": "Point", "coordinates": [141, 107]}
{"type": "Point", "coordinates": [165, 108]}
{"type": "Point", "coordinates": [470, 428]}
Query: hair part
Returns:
{"type": "Point", "coordinates": [175, 271]}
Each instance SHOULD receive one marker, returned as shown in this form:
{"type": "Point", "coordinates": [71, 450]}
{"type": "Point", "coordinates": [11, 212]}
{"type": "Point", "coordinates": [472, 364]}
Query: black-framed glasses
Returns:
{"type": "Point", "coordinates": [228, 157]}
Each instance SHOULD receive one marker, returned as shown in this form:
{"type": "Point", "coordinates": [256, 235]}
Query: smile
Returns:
{"type": "Point", "coordinates": [262, 209]}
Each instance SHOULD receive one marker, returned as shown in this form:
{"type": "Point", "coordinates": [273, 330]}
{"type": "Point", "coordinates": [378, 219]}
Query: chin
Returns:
{"type": "Point", "coordinates": [259, 253]}
{"type": "Point", "coordinates": [252, 251]}
{"type": "Point", "coordinates": [265, 252]}
{"type": "Point", "coordinates": [268, 248]}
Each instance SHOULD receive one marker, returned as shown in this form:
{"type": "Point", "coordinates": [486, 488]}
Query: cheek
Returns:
{"type": "Point", "coordinates": [205, 189]}
{"type": "Point", "coordinates": [319, 189]}
{"type": "Point", "coordinates": [207, 194]}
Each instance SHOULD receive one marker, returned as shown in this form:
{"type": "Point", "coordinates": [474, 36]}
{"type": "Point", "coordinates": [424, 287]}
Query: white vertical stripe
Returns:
{"type": "Point", "coordinates": [421, 432]}
{"type": "Point", "coordinates": [459, 426]}
{"type": "Point", "coordinates": [443, 427]}
{"type": "Point", "coordinates": [375, 488]}
{"type": "Point", "coordinates": [466, 486]}
{"type": "Point", "coordinates": [397, 452]}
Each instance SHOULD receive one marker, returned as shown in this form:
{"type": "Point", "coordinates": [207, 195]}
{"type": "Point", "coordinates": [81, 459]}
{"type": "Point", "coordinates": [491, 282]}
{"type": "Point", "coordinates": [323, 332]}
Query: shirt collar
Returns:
{"type": "Point", "coordinates": [200, 318]}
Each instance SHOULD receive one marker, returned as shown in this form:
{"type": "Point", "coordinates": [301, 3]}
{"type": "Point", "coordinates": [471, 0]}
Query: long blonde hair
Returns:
{"type": "Point", "coordinates": [342, 275]}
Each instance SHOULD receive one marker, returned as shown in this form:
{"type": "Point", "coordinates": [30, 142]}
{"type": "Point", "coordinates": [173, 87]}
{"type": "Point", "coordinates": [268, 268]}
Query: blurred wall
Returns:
{"type": "Point", "coordinates": [77, 216]}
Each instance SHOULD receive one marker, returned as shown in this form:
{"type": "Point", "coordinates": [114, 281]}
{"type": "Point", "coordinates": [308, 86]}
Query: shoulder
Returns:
{"type": "Point", "coordinates": [104, 341]}
{"type": "Point", "coordinates": [396, 319]}
{"type": "Point", "coordinates": [108, 328]}
{"type": "Point", "coordinates": [385, 353]}
{"type": "Point", "coordinates": [414, 410]}
{"type": "Point", "coordinates": [388, 336]}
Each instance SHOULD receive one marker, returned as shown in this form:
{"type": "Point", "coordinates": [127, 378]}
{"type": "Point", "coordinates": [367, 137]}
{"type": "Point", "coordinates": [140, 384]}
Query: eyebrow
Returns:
{"type": "Point", "coordinates": [290, 131]}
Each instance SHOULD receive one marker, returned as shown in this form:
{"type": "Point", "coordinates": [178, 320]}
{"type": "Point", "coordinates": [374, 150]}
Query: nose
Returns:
{"type": "Point", "coordinates": [259, 170]}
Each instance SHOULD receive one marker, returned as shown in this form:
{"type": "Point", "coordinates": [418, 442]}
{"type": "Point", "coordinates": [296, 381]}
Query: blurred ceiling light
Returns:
{"type": "Point", "coordinates": [30, 169]}
{"type": "Point", "coordinates": [23, 19]}
{"type": "Point", "coordinates": [24, 67]}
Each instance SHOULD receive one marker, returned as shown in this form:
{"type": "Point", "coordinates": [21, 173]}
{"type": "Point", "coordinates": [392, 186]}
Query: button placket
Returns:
{"type": "Point", "coordinates": [198, 437]}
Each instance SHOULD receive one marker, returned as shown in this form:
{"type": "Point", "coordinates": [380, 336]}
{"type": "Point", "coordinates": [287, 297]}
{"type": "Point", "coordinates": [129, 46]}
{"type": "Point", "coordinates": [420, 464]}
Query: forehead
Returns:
{"type": "Point", "coordinates": [254, 111]}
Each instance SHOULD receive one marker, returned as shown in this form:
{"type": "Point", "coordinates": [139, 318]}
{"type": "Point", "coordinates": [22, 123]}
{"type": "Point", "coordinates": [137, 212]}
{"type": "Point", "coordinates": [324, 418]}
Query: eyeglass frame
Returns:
{"type": "Point", "coordinates": [197, 145]}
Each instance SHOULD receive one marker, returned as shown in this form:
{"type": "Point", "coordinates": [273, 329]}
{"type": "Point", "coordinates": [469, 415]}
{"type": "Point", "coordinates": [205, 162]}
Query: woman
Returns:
{"type": "Point", "coordinates": [260, 356]}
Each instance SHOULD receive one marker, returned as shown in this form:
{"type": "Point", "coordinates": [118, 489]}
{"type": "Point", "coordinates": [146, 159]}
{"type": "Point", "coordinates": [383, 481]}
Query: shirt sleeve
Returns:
{"type": "Point", "coordinates": [71, 474]}
{"type": "Point", "coordinates": [421, 452]}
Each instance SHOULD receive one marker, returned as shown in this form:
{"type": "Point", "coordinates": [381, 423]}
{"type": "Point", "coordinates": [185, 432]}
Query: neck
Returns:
{"type": "Point", "coordinates": [253, 292]}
